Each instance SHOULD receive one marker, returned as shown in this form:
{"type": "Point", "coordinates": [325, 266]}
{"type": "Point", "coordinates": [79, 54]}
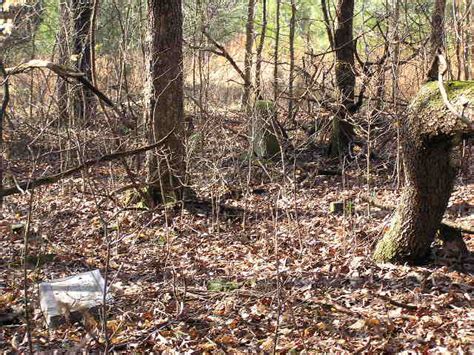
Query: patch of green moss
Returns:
{"type": "Point", "coordinates": [430, 96]}
{"type": "Point", "coordinates": [387, 248]}
{"type": "Point", "coordinates": [264, 106]}
{"type": "Point", "coordinates": [222, 286]}
{"type": "Point", "coordinates": [265, 142]}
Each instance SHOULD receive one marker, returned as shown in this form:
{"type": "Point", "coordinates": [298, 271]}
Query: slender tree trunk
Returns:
{"type": "Point", "coordinates": [437, 37]}
{"type": "Point", "coordinates": [261, 44]}
{"type": "Point", "coordinates": [468, 36]}
{"type": "Point", "coordinates": [292, 62]}
{"type": "Point", "coordinates": [276, 57]}
{"type": "Point", "coordinates": [92, 39]}
{"type": "Point", "coordinates": [201, 18]}
{"type": "Point", "coordinates": [327, 23]}
{"type": "Point", "coordinates": [471, 39]}
{"type": "Point", "coordinates": [458, 37]}
{"type": "Point", "coordinates": [342, 130]}
{"type": "Point", "coordinates": [249, 34]}
{"type": "Point", "coordinates": [395, 51]}
{"type": "Point", "coordinates": [83, 99]}
{"type": "Point", "coordinates": [63, 59]}
{"type": "Point", "coordinates": [164, 99]}
{"type": "Point", "coordinates": [3, 108]}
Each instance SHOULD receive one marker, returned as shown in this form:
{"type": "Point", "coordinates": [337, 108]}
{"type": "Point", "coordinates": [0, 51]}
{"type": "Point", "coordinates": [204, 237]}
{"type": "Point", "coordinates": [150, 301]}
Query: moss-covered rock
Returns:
{"type": "Point", "coordinates": [265, 143]}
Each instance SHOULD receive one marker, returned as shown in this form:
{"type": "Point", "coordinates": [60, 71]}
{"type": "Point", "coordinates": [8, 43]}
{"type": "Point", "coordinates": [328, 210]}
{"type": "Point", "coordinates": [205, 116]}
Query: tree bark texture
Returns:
{"type": "Point", "coordinates": [164, 99]}
{"type": "Point", "coordinates": [343, 131]}
{"type": "Point", "coordinates": [436, 37]}
{"type": "Point", "coordinates": [291, 78]}
{"type": "Point", "coordinates": [249, 33]}
{"type": "Point", "coordinates": [83, 99]}
{"type": "Point", "coordinates": [63, 59]}
{"type": "Point", "coordinates": [261, 44]}
{"type": "Point", "coordinates": [431, 136]}
{"type": "Point", "coordinates": [276, 55]}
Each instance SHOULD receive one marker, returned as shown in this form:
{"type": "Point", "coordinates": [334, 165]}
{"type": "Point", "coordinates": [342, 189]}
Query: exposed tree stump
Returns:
{"type": "Point", "coordinates": [431, 137]}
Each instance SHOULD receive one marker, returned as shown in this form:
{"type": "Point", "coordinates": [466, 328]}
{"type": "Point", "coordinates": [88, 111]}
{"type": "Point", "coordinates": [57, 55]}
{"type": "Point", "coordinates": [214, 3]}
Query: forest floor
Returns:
{"type": "Point", "coordinates": [270, 269]}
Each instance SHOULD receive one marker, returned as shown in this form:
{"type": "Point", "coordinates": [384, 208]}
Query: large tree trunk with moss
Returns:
{"type": "Point", "coordinates": [431, 137]}
{"type": "Point", "coordinates": [164, 99]}
{"type": "Point", "coordinates": [342, 130]}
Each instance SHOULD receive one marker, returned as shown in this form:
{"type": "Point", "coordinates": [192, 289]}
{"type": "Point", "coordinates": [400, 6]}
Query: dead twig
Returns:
{"type": "Point", "coordinates": [411, 307]}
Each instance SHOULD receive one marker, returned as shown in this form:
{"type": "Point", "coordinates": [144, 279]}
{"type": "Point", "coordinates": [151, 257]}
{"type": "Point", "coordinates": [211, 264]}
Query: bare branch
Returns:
{"type": "Point", "coordinates": [48, 180]}
{"type": "Point", "coordinates": [223, 53]}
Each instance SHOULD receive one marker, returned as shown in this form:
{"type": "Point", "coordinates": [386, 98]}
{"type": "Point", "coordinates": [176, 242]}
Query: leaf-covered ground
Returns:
{"type": "Point", "coordinates": [252, 270]}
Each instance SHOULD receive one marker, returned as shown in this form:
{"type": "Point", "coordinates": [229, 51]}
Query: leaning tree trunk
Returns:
{"type": "Point", "coordinates": [431, 137]}
{"type": "Point", "coordinates": [342, 130]}
{"type": "Point", "coordinates": [164, 99]}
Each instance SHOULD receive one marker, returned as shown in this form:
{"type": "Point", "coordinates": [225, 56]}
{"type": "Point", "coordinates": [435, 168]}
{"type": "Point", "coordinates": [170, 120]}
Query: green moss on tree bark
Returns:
{"type": "Point", "coordinates": [431, 137]}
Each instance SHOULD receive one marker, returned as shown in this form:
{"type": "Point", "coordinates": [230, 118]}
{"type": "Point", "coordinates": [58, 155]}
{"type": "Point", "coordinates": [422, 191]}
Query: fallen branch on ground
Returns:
{"type": "Point", "coordinates": [51, 179]}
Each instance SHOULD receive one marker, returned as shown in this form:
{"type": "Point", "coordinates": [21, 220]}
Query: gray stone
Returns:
{"type": "Point", "coordinates": [67, 299]}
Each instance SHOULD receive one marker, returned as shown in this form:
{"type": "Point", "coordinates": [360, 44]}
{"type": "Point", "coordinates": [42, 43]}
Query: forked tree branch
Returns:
{"type": "Point", "coordinates": [224, 53]}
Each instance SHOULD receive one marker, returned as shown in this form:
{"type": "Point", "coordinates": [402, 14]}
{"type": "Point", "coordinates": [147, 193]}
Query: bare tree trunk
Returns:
{"type": "Point", "coordinates": [276, 92]}
{"type": "Point", "coordinates": [63, 59]}
{"type": "Point", "coordinates": [342, 130]}
{"type": "Point", "coordinates": [327, 23]}
{"type": "Point", "coordinates": [261, 44]}
{"type": "Point", "coordinates": [468, 35]}
{"type": "Point", "coordinates": [395, 50]}
{"type": "Point", "coordinates": [471, 38]}
{"type": "Point", "coordinates": [249, 33]}
{"type": "Point", "coordinates": [3, 108]}
{"type": "Point", "coordinates": [164, 99]}
{"type": "Point", "coordinates": [437, 37]}
{"type": "Point", "coordinates": [458, 37]}
{"type": "Point", "coordinates": [292, 62]}
{"type": "Point", "coordinates": [83, 99]}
